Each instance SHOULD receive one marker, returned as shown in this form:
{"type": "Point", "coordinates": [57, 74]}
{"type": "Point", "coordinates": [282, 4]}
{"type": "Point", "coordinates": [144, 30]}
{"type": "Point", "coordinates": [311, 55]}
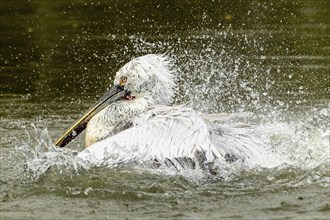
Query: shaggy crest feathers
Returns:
{"type": "Point", "coordinates": [152, 75]}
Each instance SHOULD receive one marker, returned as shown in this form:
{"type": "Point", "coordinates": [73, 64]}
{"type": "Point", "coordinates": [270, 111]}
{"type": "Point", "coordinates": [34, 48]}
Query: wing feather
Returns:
{"type": "Point", "coordinates": [163, 133]}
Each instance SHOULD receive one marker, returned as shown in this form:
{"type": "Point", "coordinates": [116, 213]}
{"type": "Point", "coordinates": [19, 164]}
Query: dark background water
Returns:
{"type": "Point", "coordinates": [268, 57]}
{"type": "Point", "coordinates": [53, 48]}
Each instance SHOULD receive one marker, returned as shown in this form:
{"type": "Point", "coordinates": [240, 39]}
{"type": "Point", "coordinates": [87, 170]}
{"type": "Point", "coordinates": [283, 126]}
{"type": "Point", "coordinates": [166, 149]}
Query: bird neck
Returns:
{"type": "Point", "coordinates": [115, 118]}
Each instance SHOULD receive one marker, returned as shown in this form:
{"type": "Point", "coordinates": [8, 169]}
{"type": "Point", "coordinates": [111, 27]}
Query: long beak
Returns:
{"type": "Point", "coordinates": [113, 94]}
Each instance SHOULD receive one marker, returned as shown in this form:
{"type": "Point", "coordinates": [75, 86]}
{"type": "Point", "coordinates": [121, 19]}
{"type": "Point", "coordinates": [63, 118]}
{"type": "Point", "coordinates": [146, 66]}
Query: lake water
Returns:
{"type": "Point", "coordinates": [269, 61]}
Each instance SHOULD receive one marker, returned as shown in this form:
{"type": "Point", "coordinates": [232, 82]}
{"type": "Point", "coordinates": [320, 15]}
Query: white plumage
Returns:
{"type": "Point", "coordinates": [161, 134]}
{"type": "Point", "coordinates": [146, 129]}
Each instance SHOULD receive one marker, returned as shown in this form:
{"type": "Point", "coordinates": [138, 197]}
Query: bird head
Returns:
{"type": "Point", "coordinates": [150, 77]}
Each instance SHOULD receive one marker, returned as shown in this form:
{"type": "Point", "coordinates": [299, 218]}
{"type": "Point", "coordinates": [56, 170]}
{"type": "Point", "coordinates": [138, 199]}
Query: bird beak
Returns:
{"type": "Point", "coordinates": [113, 94]}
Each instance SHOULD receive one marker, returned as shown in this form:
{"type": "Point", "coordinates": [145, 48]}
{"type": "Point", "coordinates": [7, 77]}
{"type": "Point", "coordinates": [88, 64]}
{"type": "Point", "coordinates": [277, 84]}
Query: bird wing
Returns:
{"type": "Point", "coordinates": [162, 134]}
{"type": "Point", "coordinates": [239, 141]}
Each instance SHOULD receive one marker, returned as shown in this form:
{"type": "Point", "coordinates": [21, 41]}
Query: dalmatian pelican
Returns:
{"type": "Point", "coordinates": [133, 121]}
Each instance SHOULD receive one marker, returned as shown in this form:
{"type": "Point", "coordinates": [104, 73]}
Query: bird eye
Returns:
{"type": "Point", "coordinates": [123, 80]}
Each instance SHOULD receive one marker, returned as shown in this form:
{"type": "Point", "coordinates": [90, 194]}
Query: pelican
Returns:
{"type": "Point", "coordinates": [133, 121]}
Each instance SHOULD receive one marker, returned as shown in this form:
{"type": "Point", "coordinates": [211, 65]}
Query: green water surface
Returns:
{"type": "Point", "coordinates": [271, 58]}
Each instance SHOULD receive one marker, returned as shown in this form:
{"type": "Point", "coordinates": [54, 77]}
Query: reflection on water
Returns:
{"type": "Point", "coordinates": [268, 57]}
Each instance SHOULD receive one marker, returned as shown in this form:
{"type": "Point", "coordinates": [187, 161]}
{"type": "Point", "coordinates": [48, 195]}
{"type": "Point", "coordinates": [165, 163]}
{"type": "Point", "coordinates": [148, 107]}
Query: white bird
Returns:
{"type": "Point", "coordinates": [134, 122]}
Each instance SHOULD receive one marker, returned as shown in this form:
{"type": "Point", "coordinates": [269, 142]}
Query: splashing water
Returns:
{"type": "Point", "coordinates": [214, 77]}
{"type": "Point", "coordinates": [267, 58]}
{"type": "Point", "coordinates": [297, 147]}
{"type": "Point", "coordinates": [284, 146]}
{"type": "Point", "coordinates": [41, 155]}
